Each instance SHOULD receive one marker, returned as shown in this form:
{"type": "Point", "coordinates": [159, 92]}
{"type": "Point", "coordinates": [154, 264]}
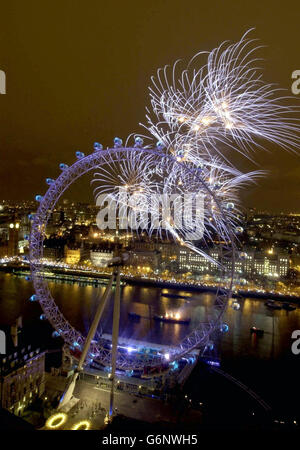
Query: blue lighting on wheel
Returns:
{"type": "Point", "coordinates": [224, 328]}
{"type": "Point", "coordinates": [79, 155]}
{"type": "Point", "coordinates": [98, 146]}
{"type": "Point", "coordinates": [138, 141]}
{"type": "Point", "coordinates": [118, 142]}
{"type": "Point", "coordinates": [160, 145]}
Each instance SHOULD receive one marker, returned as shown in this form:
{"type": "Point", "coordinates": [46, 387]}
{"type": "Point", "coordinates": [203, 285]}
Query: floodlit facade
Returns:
{"type": "Point", "coordinates": [273, 265]}
{"type": "Point", "coordinates": [22, 379]}
{"type": "Point", "coordinates": [101, 257]}
{"type": "Point", "coordinates": [72, 255]}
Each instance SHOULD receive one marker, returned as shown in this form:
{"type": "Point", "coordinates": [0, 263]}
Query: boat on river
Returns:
{"type": "Point", "coordinates": [273, 305]}
{"type": "Point", "coordinates": [257, 331]}
{"type": "Point", "coordinates": [288, 307]}
{"type": "Point", "coordinates": [172, 318]}
{"type": "Point", "coordinates": [173, 295]}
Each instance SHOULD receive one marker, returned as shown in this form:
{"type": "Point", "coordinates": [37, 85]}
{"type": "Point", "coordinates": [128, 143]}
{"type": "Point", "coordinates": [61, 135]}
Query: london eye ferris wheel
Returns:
{"type": "Point", "coordinates": [197, 117]}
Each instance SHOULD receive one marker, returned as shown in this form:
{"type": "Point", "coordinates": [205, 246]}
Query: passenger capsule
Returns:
{"type": "Point", "coordinates": [224, 328]}
{"type": "Point", "coordinates": [49, 181]}
{"type": "Point", "coordinates": [79, 155]}
{"type": "Point", "coordinates": [97, 146]}
{"type": "Point", "coordinates": [210, 345]}
{"type": "Point", "coordinates": [63, 166]}
{"type": "Point", "coordinates": [38, 198]}
{"type": "Point", "coordinates": [55, 334]}
{"type": "Point", "coordinates": [117, 142]}
{"type": "Point", "coordinates": [230, 206]}
{"type": "Point", "coordinates": [33, 298]}
{"type": "Point", "coordinates": [160, 145]}
{"type": "Point", "coordinates": [138, 141]}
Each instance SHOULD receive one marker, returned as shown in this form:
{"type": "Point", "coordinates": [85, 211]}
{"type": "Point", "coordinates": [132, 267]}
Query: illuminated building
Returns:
{"type": "Point", "coordinates": [248, 264]}
{"type": "Point", "coordinates": [13, 239]}
{"type": "Point", "coordinates": [3, 250]}
{"type": "Point", "coordinates": [190, 261]}
{"type": "Point", "coordinates": [168, 252]}
{"type": "Point", "coordinates": [53, 253]}
{"type": "Point", "coordinates": [100, 257]}
{"type": "Point", "coordinates": [54, 249]}
{"type": "Point", "coordinates": [72, 254]}
{"type": "Point", "coordinates": [144, 260]}
{"type": "Point", "coordinates": [22, 379]}
{"type": "Point", "coordinates": [272, 264]}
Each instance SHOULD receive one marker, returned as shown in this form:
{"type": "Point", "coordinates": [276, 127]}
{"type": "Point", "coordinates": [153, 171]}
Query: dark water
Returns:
{"type": "Point", "coordinates": [266, 364]}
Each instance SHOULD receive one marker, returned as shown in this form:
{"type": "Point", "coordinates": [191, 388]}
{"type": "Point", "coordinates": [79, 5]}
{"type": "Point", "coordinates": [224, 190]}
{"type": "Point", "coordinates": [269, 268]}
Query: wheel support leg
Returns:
{"type": "Point", "coordinates": [115, 336]}
{"type": "Point", "coordinates": [92, 331]}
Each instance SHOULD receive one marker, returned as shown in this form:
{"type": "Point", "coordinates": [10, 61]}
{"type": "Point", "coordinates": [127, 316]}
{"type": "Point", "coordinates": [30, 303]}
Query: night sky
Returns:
{"type": "Point", "coordinates": [78, 72]}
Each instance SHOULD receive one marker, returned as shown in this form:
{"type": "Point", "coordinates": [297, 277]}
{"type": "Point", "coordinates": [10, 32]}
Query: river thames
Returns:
{"type": "Point", "coordinates": [265, 364]}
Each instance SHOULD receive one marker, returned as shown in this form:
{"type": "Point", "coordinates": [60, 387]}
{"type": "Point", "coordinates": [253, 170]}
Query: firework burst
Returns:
{"type": "Point", "coordinates": [197, 116]}
{"type": "Point", "coordinates": [223, 104]}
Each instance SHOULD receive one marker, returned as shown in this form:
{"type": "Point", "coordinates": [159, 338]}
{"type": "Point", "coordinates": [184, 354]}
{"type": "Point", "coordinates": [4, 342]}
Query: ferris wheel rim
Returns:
{"type": "Point", "coordinates": [198, 336]}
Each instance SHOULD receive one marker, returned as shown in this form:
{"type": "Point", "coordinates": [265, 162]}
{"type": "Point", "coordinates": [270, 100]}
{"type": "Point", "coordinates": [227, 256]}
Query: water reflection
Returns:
{"type": "Point", "coordinates": [78, 304]}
